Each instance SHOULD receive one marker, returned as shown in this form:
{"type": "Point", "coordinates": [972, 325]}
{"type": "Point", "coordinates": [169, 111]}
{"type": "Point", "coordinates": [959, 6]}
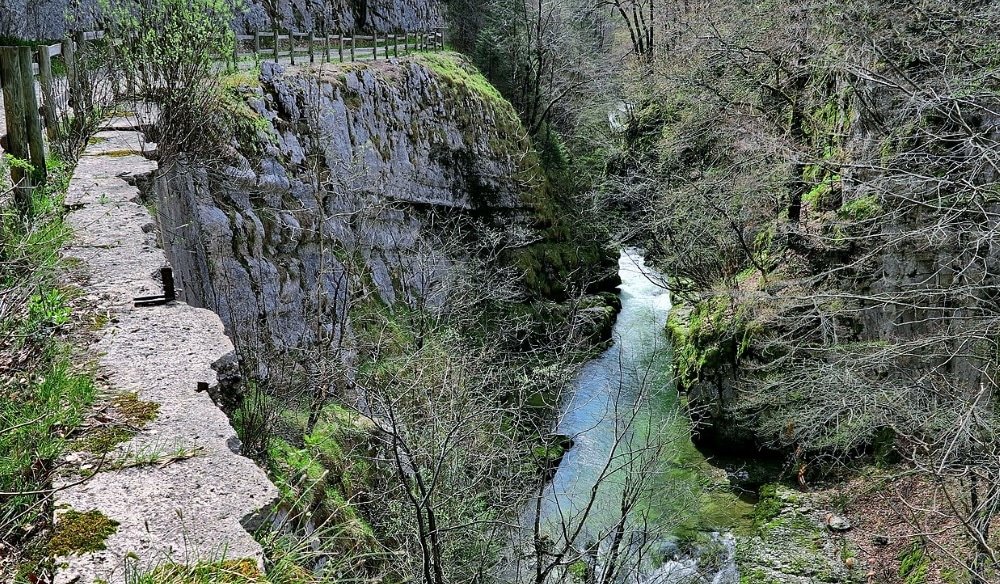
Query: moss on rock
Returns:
{"type": "Point", "coordinates": [718, 331]}
{"type": "Point", "coordinates": [131, 414]}
{"type": "Point", "coordinates": [791, 544]}
{"type": "Point", "coordinates": [77, 533]}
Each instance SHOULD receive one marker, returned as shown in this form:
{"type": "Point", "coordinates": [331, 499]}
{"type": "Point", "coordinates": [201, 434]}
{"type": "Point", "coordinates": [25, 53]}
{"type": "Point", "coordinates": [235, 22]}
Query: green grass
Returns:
{"type": "Point", "coordinates": [241, 571]}
{"type": "Point", "coordinates": [44, 393]}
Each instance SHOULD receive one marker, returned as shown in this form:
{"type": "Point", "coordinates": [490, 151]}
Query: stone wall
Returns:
{"type": "Point", "coordinates": [201, 505]}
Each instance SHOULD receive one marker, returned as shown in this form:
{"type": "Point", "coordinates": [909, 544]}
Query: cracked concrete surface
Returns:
{"type": "Point", "coordinates": [193, 509]}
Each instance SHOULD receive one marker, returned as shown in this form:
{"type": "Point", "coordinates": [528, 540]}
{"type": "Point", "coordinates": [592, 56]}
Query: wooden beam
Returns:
{"type": "Point", "coordinates": [17, 133]}
{"type": "Point", "coordinates": [69, 59]}
{"type": "Point", "coordinates": [36, 143]}
{"type": "Point", "coordinates": [48, 95]}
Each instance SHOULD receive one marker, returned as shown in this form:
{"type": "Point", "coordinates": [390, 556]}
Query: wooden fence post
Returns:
{"type": "Point", "coordinates": [69, 60]}
{"type": "Point", "coordinates": [326, 46]}
{"type": "Point", "coordinates": [17, 132]}
{"type": "Point", "coordinates": [36, 142]}
{"type": "Point", "coordinates": [354, 44]}
{"type": "Point", "coordinates": [275, 34]}
{"type": "Point", "coordinates": [340, 47]}
{"type": "Point", "coordinates": [81, 98]}
{"type": "Point", "coordinates": [48, 96]}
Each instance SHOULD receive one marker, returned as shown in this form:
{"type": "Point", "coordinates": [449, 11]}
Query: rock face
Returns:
{"type": "Point", "coordinates": [346, 15]}
{"type": "Point", "coordinates": [371, 181]}
{"type": "Point", "coordinates": [792, 546]}
{"type": "Point", "coordinates": [44, 19]}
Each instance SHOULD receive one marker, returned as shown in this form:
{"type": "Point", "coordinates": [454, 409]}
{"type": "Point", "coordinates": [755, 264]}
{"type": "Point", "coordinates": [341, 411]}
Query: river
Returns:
{"type": "Point", "coordinates": [629, 438]}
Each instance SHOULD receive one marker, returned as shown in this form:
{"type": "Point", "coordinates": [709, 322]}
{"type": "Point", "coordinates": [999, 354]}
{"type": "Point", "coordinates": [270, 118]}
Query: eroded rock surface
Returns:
{"type": "Point", "coordinates": [346, 15]}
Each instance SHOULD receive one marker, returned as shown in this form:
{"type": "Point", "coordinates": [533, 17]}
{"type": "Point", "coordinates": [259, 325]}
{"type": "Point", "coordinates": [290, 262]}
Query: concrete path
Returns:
{"type": "Point", "coordinates": [190, 509]}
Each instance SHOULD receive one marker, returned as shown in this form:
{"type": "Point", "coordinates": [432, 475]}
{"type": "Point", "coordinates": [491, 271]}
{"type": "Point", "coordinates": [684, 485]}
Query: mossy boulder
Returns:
{"type": "Point", "coordinates": [791, 545]}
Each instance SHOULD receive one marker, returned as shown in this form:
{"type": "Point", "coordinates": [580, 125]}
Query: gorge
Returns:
{"type": "Point", "coordinates": [589, 293]}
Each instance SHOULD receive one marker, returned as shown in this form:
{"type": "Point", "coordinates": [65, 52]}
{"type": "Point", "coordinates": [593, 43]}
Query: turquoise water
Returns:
{"type": "Point", "coordinates": [607, 412]}
{"type": "Point", "coordinates": [632, 445]}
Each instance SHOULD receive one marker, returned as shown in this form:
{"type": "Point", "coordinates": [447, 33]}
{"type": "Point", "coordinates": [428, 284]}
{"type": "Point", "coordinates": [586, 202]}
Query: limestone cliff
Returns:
{"type": "Point", "coordinates": [377, 179]}
{"type": "Point", "coordinates": [346, 15]}
{"type": "Point", "coordinates": [47, 19]}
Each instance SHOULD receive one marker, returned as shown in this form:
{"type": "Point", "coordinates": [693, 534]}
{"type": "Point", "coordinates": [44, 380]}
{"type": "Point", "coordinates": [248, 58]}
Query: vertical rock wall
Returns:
{"type": "Point", "coordinates": [374, 179]}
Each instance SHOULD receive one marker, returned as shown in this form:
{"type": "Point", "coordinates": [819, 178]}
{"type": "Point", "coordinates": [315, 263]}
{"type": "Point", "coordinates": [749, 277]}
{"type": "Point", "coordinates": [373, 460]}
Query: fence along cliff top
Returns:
{"type": "Point", "coordinates": [28, 110]}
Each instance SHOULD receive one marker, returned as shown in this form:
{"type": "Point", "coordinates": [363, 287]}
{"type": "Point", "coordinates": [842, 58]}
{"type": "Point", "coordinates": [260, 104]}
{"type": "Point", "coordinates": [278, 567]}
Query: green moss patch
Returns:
{"type": "Point", "coordinates": [117, 153]}
{"type": "Point", "coordinates": [768, 507]}
{"type": "Point", "coordinates": [718, 331]}
{"type": "Point", "coordinates": [78, 533]}
{"type": "Point", "coordinates": [458, 71]}
{"type": "Point", "coordinates": [103, 439]}
{"type": "Point", "coordinates": [861, 209]}
{"type": "Point", "coordinates": [130, 415]}
{"type": "Point", "coordinates": [136, 412]}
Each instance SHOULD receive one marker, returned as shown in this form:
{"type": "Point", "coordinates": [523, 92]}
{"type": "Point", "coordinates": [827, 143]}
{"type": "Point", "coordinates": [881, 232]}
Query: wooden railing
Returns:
{"type": "Point", "coordinates": [35, 100]}
{"type": "Point", "coordinates": [303, 47]}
